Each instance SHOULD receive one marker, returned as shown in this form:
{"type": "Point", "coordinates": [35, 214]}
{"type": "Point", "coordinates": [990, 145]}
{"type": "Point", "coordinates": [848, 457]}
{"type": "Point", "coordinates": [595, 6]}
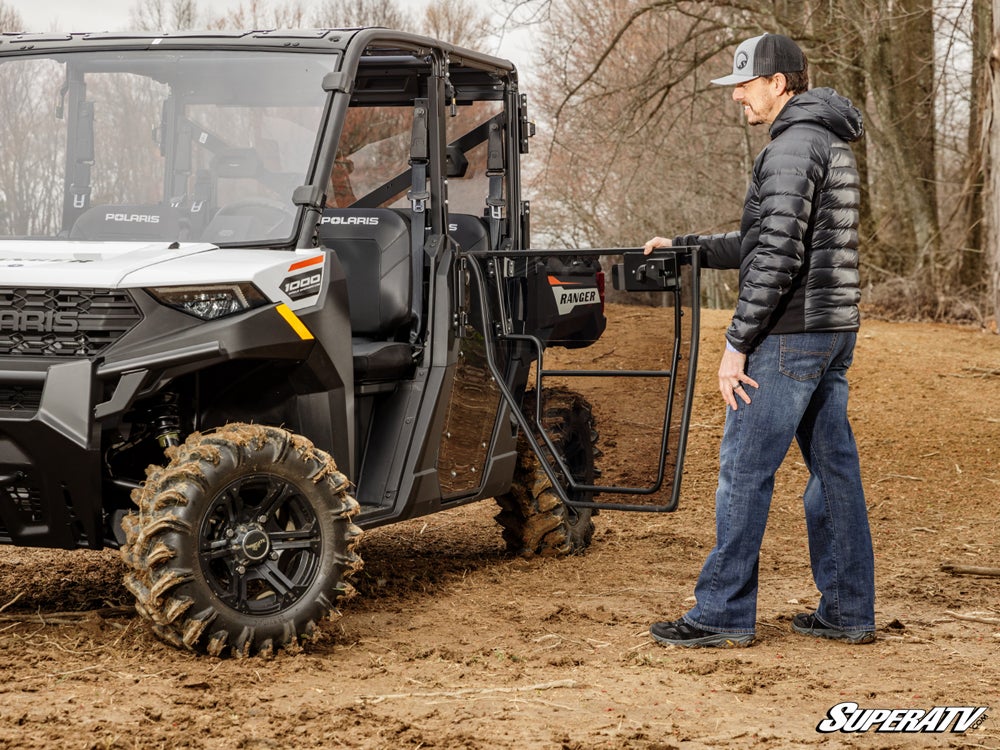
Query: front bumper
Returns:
{"type": "Point", "coordinates": [50, 460]}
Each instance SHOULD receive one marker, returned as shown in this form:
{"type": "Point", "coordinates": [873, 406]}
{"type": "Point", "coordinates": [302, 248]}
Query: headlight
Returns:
{"type": "Point", "coordinates": [212, 301]}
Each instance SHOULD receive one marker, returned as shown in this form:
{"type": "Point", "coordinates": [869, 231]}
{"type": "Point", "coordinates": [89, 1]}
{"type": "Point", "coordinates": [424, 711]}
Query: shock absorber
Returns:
{"type": "Point", "coordinates": [166, 421]}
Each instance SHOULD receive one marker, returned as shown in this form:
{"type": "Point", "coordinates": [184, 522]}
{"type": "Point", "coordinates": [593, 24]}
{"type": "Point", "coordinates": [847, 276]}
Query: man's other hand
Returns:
{"type": "Point", "coordinates": [732, 378]}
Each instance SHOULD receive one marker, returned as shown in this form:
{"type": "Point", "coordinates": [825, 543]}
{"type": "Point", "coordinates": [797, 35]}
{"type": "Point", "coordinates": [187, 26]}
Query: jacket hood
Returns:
{"type": "Point", "coordinates": [822, 106]}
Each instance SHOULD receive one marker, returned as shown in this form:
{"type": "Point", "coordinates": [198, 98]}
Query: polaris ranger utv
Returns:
{"type": "Point", "coordinates": [275, 287]}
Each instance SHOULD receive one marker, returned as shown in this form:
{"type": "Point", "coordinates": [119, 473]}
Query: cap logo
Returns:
{"type": "Point", "coordinates": [741, 60]}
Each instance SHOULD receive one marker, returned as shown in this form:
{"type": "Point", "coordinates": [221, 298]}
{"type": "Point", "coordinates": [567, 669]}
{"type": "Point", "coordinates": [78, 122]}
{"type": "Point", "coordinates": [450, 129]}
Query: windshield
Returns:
{"type": "Point", "coordinates": [157, 145]}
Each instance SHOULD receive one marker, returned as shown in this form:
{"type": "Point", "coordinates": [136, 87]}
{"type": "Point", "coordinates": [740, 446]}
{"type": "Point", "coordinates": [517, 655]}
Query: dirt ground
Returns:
{"type": "Point", "coordinates": [452, 644]}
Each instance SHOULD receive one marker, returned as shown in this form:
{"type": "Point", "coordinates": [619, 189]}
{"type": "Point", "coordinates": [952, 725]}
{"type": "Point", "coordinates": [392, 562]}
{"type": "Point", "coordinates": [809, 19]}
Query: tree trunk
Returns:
{"type": "Point", "coordinates": [911, 56]}
{"type": "Point", "coordinates": [992, 167]}
{"type": "Point", "coordinates": [880, 53]}
{"type": "Point", "coordinates": [838, 63]}
{"type": "Point", "coordinates": [969, 264]}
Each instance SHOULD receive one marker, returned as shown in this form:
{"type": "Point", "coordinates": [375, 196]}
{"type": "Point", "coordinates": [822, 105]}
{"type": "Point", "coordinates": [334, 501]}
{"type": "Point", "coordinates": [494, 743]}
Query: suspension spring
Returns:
{"type": "Point", "coordinates": [166, 421]}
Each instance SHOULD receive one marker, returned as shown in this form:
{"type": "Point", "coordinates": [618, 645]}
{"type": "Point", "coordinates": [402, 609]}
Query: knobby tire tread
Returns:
{"type": "Point", "coordinates": [169, 503]}
{"type": "Point", "coordinates": [534, 520]}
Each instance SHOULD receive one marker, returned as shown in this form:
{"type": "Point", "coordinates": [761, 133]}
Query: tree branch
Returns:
{"type": "Point", "coordinates": [971, 570]}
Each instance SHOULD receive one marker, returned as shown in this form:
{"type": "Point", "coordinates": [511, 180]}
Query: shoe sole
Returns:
{"type": "Point", "coordinates": [716, 640]}
{"type": "Point", "coordinates": [836, 635]}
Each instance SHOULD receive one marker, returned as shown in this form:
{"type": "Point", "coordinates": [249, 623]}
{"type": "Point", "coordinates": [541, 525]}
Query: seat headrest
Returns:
{"type": "Point", "coordinates": [126, 223]}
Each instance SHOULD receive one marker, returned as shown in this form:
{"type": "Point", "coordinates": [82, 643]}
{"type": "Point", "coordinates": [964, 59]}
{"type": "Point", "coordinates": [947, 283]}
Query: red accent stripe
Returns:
{"type": "Point", "coordinates": [306, 263]}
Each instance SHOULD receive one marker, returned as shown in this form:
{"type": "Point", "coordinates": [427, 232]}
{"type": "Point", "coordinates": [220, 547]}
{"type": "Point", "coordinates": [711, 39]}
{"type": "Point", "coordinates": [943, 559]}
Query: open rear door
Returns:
{"type": "Point", "coordinates": [672, 275]}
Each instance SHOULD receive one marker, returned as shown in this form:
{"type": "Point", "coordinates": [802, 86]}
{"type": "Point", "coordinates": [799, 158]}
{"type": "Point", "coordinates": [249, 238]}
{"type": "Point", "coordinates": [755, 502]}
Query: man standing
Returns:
{"type": "Point", "coordinates": [790, 343]}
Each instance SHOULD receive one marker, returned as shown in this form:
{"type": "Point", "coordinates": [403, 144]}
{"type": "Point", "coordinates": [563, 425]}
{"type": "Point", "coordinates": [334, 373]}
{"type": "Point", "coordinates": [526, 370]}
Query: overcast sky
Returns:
{"type": "Point", "coordinates": [98, 15]}
{"type": "Point", "coordinates": [114, 15]}
{"type": "Point", "coordinates": [74, 15]}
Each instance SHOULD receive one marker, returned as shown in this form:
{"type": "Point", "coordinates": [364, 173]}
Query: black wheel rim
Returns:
{"type": "Point", "coordinates": [260, 545]}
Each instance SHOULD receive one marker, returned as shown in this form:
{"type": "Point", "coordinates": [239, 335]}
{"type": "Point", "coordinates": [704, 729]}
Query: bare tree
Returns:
{"type": "Point", "coordinates": [10, 19]}
{"type": "Point", "coordinates": [164, 15]}
{"type": "Point", "coordinates": [992, 165]}
{"type": "Point", "coordinates": [970, 263]}
{"type": "Point", "coordinates": [898, 62]}
{"type": "Point", "coordinates": [917, 70]}
{"type": "Point", "coordinates": [350, 13]}
{"type": "Point", "coordinates": [636, 145]}
{"type": "Point", "coordinates": [460, 22]}
{"type": "Point", "coordinates": [261, 14]}
{"type": "Point", "coordinates": [31, 138]}
{"type": "Point", "coordinates": [632, 96]}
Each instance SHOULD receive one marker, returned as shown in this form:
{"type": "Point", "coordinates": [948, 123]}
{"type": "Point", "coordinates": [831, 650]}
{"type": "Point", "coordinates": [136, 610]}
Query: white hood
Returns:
{"type": "Point", "coordinates": [294, 278]}
{"type": "Point", "coordinates": [84, 264]}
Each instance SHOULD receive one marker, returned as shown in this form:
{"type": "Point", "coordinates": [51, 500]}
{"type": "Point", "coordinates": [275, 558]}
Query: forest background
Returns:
{"type": "Point", "coordinates": [634, 141]}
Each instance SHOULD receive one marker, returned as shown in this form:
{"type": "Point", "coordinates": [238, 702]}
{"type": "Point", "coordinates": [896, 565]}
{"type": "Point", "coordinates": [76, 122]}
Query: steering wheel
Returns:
{"type": "Point", "coordinates": [263, 208]}
{"type": "Point", "coordinates": [255, 218]}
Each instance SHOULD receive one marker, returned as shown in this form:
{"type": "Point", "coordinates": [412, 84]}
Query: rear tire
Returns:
{"type": "Point", "coordinates": [534, 520]}
{"type": "Point", "coordinates": [243, 542]}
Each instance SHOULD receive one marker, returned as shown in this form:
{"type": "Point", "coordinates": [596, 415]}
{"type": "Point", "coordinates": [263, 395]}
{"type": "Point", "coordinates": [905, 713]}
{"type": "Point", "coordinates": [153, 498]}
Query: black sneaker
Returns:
{"type": "Point", "coordinates": [680, 633]}
{"type": "Point", "coordinates": [809, 624]}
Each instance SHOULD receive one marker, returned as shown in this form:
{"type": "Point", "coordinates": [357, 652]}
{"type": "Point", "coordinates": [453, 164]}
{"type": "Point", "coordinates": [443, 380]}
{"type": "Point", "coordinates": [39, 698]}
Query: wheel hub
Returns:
{"type": "Point", "coordinates": [253, 542]}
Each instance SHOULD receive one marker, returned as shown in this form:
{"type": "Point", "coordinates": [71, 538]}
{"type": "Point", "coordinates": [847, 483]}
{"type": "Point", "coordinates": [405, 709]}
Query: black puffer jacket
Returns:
{"type": "Point", "coordinates": [797, 248]}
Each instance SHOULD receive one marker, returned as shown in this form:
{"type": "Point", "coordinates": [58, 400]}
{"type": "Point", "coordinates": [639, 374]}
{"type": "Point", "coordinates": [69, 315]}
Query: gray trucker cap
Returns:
{"type": "Point", "coordinates": [764, 55]}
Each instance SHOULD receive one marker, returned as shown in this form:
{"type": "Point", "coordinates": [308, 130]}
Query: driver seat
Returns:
{"type": "Point", "coordinates": [373, 246]}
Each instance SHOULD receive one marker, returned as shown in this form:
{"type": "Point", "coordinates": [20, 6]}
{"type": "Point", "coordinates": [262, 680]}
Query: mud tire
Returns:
{"type": "Point", "coordinates": [534, 520]}
{"type": "Point", "coordinates": [242, 543]}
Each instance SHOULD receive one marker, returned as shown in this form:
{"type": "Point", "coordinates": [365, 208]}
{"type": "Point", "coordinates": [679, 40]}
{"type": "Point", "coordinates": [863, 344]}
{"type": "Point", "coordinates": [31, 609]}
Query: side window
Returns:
{"type": "Point", "coordinates": [468, 194]}
{"type": "Point", "coordinates": [374, 148]}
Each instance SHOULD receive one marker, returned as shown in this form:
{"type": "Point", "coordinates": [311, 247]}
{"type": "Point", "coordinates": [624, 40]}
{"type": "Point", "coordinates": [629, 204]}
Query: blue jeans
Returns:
{"type": "Point", "coordinates": [802, 395]}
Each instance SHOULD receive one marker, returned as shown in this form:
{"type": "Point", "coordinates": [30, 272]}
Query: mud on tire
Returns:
{"type": "Point", "coordinates": [534, 520]}
{"type": "Point", "coordinates": [242, 543]}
